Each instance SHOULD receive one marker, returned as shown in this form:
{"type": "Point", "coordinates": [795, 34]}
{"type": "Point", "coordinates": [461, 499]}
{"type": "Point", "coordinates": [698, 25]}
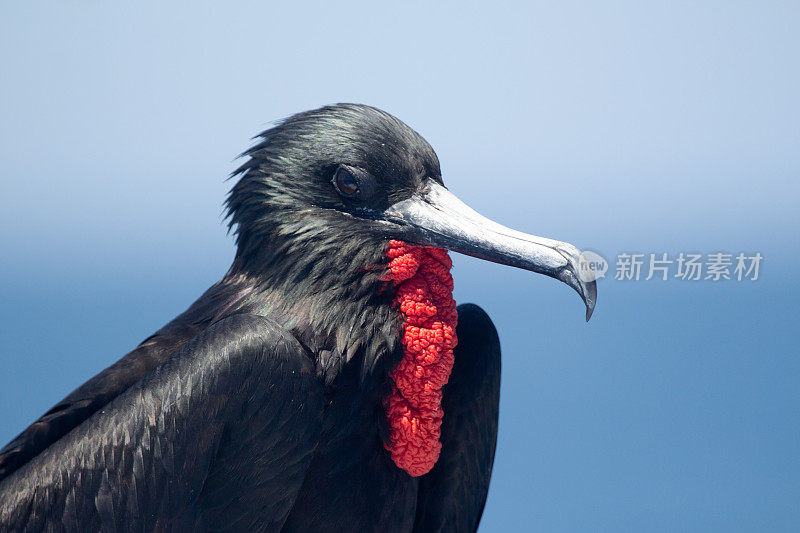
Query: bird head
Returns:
{"type": "Point", "coordinates": [353, 177]}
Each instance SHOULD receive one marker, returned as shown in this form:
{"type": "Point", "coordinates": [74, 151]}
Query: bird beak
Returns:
{"type": "Point", "coordinates": [438, 218]}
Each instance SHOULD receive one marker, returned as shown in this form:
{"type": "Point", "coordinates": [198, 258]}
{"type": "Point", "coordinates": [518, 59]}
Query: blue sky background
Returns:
{"type": "Point", "coordinates": [657, 127]}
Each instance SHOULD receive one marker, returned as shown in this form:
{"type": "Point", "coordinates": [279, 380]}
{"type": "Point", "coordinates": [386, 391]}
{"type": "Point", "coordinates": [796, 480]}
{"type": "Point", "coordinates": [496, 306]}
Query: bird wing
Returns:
{"type": "Point", "coordinates": [87, 399]}
{"type": "Point", "coordinates": [452, 495]}
{"type": "Point", "coordinates": [98, 391]}
{"type": "Point", "coordinates": [220, 435]}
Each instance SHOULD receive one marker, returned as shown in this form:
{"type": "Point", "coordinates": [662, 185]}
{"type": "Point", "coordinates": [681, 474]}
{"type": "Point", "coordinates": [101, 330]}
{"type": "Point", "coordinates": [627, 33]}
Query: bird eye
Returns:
{"type": "Point", "coordinates": [355, 184]}
{"type": "Point", "coordinates": [345, 182]}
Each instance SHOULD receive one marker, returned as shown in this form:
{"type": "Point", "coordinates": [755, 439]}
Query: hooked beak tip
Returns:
{"type": "Point", "coordinates": [586, 287]}
{"type": "Point", "coordinates": [589, 308]}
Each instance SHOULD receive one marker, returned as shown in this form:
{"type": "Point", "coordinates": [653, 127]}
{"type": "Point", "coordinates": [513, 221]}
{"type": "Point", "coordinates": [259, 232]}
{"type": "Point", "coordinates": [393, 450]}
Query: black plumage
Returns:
{"type": "Point", "coordinates": [260, 407]}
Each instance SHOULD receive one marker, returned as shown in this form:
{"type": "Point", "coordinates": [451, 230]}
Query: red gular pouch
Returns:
{"type": "Point", "coordinates": [423, 294]}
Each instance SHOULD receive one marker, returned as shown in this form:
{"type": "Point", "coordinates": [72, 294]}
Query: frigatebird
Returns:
{"type": "Point", "coordinates": [327, 383]}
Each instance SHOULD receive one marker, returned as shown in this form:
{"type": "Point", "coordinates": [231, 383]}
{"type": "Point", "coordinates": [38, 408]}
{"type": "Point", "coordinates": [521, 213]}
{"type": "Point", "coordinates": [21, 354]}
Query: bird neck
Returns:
{"type": "Point", "coordinates": [330, 293]}
{"type": "Point", "coordinates": [388, 307]}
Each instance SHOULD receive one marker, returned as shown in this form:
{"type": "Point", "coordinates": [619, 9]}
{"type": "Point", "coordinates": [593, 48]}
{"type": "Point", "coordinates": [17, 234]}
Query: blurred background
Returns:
{"type": "Point", "coordinates": [654, 128]}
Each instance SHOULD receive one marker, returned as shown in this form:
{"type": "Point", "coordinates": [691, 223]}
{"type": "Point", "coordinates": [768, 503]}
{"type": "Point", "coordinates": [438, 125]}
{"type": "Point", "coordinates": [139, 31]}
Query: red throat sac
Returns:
{"type": "Point", "coordinates": [424, 296]}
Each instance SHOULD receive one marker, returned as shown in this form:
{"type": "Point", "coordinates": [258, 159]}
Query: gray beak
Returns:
{"type": "Point", "coordinates": [438, 218]}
